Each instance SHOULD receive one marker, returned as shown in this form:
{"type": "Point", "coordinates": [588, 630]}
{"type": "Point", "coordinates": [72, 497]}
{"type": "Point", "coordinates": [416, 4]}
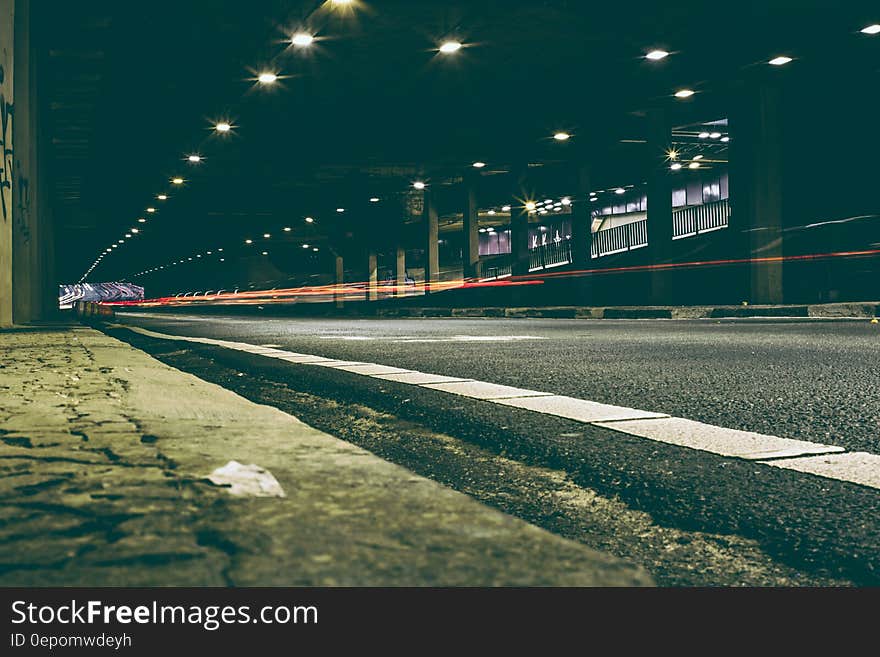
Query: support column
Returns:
{"type": "Point", "coordinates": [659, 194]}
{"type": "Point", "coordinates": [470, 213]}
{"type": "Point", "coordinates": [7, 74]}
{"type": "Point", "coordinates": [432, 252]}
{"type": "Point", "coordinates": [35, 288]}
{"type": "Point", "coordinates": [400, 270]}
{"type": "Point", "coordinates": [340, 281]}
{"type": "Point", "coordinates": [581, 218]}
{"type": "Point", "coordinates": [372, 276]}
{"type": "Point", "coordinates": [519, 221]}
{"type": "Point", "coordinates": [756, 187]}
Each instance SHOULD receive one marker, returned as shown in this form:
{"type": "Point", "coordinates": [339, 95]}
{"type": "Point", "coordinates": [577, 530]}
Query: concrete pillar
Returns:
{"type": "Point", "coordinates": [659, 194]}
{"type": "Point", "coordinates": [340, 281]}
{"type": "Point", "coordinates": [431, 234]}
{"type": "Point", "coordinates": [35, 288]}
{"type": "Point", "coordinates": [372, 276]}
{"type": "Point", "coordinates": [470, 213]}
{"type": "Point", "coordinates": [581, 218]}
{"type": "Point", "coordinates": [7, 75]}
{"type": "Point", "coordinates": [400, 270]}
{"type": "Point", "coordinates": [756, 182]}
{"type": "Point", "coordinates": [519, 221]}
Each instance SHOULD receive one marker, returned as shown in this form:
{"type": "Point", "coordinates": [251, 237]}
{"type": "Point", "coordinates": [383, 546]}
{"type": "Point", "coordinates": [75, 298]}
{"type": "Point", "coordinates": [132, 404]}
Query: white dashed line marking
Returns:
{"type": "Point", "coordinates": [481, 390]}
{"type": "Point", "coordinates": [581, 410]}
{"type": "Point", "coordinates": [718, 440]}
{"type": "Point", "coordinates": [814, 458]}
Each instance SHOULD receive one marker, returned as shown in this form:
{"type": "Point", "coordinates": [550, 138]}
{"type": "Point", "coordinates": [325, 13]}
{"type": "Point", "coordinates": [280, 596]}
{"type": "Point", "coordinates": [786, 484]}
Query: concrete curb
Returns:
{"type": "Point", "coordinates": [818, 311]}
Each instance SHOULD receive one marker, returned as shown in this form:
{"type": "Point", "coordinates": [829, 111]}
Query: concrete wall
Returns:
{"type": "Point", "coordinates": [28, 287]}
{"type": "Point", "coordinates": [7, 21]}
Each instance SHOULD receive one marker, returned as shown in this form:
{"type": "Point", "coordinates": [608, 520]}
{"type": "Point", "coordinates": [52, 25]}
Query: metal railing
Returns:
{"type": "Point", "coordinates": [620, 238]}
{"type": "Point", "coordinates": [552, 254]}
{"type": "Point", "coordinates": [494, 267]}
{"type": "Point", "coordinates": [698, 219]}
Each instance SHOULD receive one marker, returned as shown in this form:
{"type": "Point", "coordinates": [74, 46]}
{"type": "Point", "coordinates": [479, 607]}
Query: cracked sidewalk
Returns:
{"type": "Point", "coordinates": [104, 459]}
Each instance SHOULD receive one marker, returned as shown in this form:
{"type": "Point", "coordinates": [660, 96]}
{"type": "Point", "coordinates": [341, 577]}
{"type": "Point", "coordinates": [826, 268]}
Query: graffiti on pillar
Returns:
{"type": "Point", "coordinates": [5, 141]}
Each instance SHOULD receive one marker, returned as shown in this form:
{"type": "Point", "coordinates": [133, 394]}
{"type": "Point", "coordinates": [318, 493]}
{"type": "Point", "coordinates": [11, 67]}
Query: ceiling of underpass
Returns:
{"type": "Point", "coordinates": [130, 89]}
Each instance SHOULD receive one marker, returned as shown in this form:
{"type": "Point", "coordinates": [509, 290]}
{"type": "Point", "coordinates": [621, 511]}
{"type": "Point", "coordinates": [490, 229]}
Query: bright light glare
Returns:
{"type": "Point", "coordinates": [302, 39]}
{"type": "Point", "coordinates": [479, 165]}
{"type": "Point", "coordinates": [530, 206]}
{"type": "Point", "coordinates": [657, 55]}
{"type": "Point", "coordinates": [419, 184]}
{"type": "Point", "coordinates": [694, 165]}
{"type": "Point", "coordinates": [195, 159]}
{"type": "Point", "coordinates": [566, 201]}
{"type": "Point", "coordinates": [780, 61]}
{"type": "Point", "coordinates": [266, 235]}
{"type": "Point", "coordinates": [703, 135]}
{"type": "Point", "coordinates": [675, 166]}
{"type": "Point", "coordinates": [267, 78]}
{"type": "Point", "coordinates": [222, 127]}
{"type": "Point", "coordinates": [505, 208]}
{"type": "Point", "coordinates": [561, 136]}
{"type": "Point", "coordinates": [684, 93]}
{"type": "Point", "coordinates": [309, 220]}
{"type": "Point", "coordinates": [162, 197]}
{"type": "Point", "coordinates": [872, 29]}
{"type": "Point", "coordinates": [177, 181]}
{"type": "Point", "coordinates": [374, 199]}
{"type": "Point", "coordinates": [450, 47]}
{"type": "Point", "coordinates": [142, 220]}
{"type": "Point", "coordinates": [151, 210]}
{"type": "Point", "coordinates": [287, 229]}
{"type": "Point", "coordinates": [340, 210]}
{"type": "Point", "coordinates": [697, 157]}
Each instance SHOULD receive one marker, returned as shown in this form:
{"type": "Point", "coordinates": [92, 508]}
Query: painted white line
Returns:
{"type": "Point", "coordinates": [336, 363]}
{"type": "Point", "coordinates": [814, 458]}
{"type": "Point", "coordinates": [581, 410]}
{"type": "Point", "coordinates": [718, 440]}
{"type": "Point", "coordinates": [481, 390]}
{"type": "Point", "coordinates": [418, 378]}
{"type": "Point", "coordinates": [370, 369]}
{"type": "Point", "coordinates": [857, 467]}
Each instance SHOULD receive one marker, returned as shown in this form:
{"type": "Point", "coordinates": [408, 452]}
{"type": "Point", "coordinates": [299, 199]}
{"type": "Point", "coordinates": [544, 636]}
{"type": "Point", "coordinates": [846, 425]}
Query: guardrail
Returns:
{"type": "Point", "coordinates": [627, 237]}
{"type": "Point", "coordinates": [699, 219]}
{"type": "Point", "coordinates": [552, 254]}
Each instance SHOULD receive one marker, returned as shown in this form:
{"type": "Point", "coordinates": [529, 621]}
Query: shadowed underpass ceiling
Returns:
{"type": "Point", "coordinates": [131, 88]}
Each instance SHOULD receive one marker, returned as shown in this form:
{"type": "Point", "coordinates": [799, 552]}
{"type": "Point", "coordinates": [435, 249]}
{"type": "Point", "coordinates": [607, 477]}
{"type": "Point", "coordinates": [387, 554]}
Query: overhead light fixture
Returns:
{"type": "Point", "coordinates": [248, 241]}
{"type": "Point", "coordinates": [222, 127]}
{"type": "Point", "coordinates": [694, 165]}
{"type": "Point", "coordinates": [315, 249]}
{"type": "Point", "coordinates": [266, 235]}
{"type": "Point", "coordinates": [265, 253]}
{"type": "Point", "coordinates": [594, 198]}
{"type": "Point", "coordinates": [309, 220]}
{"type": "Point", "coordinates": [684, 93]}
{"type": "Point", "coordinates": [779, 61]}
{"type": "Point", "coordinates": [287, 229]}
{"type": "Point", "coordinates": [656, 55]}
{"type": "Point", "coordinates": [419, 184]}
{"type": "Point", "coordinates": [531, 205]}
{"type": "Point", "coordinates": [871, 29]}
{"type": "Point", "coordinates": [162, 197]}
{"type": "Point", "coordinates": [177, 181]}
{"type": "Point", "coordinates": [127, 235]}
{"type": "Point", "coordinates": [561, 136]}
{"type": "Point", "coordinates": [305, 246]}
{"type": "Point", "coordinates": [374, 199]}
{"type": "Point", "coordinates": [266, 78]}
{"type": "Point", "coordinates": [725, 139]}
{"type": "Point", "coordinates": [478, 165]}
{"type": "Point", "coordinates": [195, 159]}
{"type": "Point", "coordinates": [675, 166]}
{"type": "Point", "coordinates": [449, 47]}
{"type": "Point", "coordinates": [620, 190]}
{"type": "Point", "coordinates": [505, 208]}
{"type": "Point", "coordinates": [302, 39]}
{"type": "Point", "coordinates": [151, 210]}
{"type": "Point", "coordinates": [714, 135]}
{"type": "Point", "coordinates": [142, 220]}
{"type": "Point", "coordinates": [566, 201]}
{"type": "Point", "coordinates": [703, 135]}
{"type": "Point", "coordinates": [121, 242]}
{"type": "Point", "coordinates": [491, 213]}
{"type": "Point", "coordinates": [340, 210]}
{"type": "Point", "coordinates": [697, 157]}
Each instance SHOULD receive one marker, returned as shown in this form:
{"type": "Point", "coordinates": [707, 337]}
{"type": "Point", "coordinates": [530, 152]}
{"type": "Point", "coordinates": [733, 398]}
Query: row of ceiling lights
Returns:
{"type": "Point", "coordinates": [304, 39]}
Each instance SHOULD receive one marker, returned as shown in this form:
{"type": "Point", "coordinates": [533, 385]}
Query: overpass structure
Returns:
{"type": "Point", "coordinates": [612, 157]}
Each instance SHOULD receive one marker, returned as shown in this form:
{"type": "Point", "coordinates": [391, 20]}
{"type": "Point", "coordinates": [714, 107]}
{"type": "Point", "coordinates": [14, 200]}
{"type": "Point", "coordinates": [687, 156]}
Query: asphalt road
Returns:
{"type": "Point", "coordinates": [688, 516]}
